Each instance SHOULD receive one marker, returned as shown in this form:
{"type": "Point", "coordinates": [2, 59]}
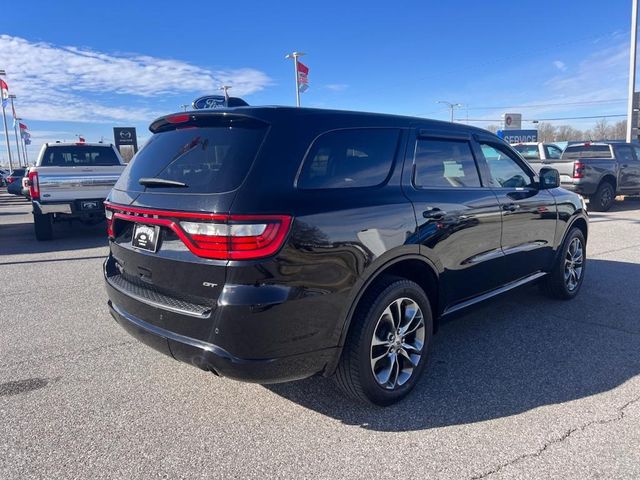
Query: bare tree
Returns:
{"type": "Point", "coordinates": [565, 133]}
{"type": "Point", "coordinates": [619, 130]}
{"type": "Point", "coordinates": [492, 128]}
{"type": "Point", "coordinates": [546, 132]}
{"type": "Point", "coordinates": [601, 130]}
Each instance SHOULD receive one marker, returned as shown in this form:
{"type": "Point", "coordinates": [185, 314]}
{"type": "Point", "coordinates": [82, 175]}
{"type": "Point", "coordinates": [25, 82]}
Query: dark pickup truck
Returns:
{"type": "Point", "coordinates": [600, 171]}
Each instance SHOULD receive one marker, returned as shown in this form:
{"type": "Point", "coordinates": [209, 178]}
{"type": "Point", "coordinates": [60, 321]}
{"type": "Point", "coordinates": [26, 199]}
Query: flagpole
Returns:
{"type": "Point", "coordinates": [6, 136]}
{"type": "Point", "coordinates": [15, 129]}
{"type": "Point", "coordinates": [295, 56]}
{"type": "Point", "coordinates": [24, 150]}
{"type": "Point", "coordinates": [4, 119]}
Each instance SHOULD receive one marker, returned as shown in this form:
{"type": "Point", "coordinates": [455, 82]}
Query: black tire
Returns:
{"type": "Point", "coordinates": [355, 372]}
{"type": "Point", "coordinates": [556, 284]}
{"type": "Point", "coordinates": [43, 225]}
{"type": "Point", "coordinates": [603, 199]}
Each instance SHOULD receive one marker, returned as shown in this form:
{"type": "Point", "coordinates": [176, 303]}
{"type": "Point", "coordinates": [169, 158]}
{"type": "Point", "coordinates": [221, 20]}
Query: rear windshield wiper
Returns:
{"type": "Point", "coordinates": [161, 182]}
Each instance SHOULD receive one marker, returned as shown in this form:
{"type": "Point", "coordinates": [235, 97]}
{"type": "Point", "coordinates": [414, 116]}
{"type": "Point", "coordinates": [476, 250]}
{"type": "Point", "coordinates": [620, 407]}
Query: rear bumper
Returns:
{"type": "Point", "coordinates": [584, 189]}
{"type": "Point", "coordinates": [212, 358]}
{"type": "Point", "coordinates": [71, 207]}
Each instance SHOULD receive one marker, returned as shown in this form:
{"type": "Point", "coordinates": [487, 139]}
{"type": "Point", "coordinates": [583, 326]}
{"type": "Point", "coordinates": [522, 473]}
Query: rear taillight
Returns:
{"type": "Point", "coordinates": [578, 169]}
{"type": "Point", "coordinates": [108, 214]}
{"type": "Point", "coordinates": [222, 237]}
{"type": "Point", "coordinates": [34, 186]}
{"type": "Point", "coordinates": [10, 180]}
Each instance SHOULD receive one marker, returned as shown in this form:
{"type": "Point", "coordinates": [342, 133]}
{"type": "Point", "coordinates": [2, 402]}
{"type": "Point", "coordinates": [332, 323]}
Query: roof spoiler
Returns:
{"type": "Point", "coordinates": [205, 118]}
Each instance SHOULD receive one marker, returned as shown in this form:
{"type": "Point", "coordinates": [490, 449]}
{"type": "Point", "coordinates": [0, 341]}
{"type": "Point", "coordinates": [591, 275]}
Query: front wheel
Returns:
{"type": "Point", "coordinates": [43, 225]}
{"type": "Point", "coordinates": [388, 343]}
{"type": "Point", "coordinates": [565, 280]}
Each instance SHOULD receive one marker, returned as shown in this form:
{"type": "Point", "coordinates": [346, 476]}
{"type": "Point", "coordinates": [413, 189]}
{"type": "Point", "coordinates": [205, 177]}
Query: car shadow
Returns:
{"type": "Point", "coordinates": [515, 353]}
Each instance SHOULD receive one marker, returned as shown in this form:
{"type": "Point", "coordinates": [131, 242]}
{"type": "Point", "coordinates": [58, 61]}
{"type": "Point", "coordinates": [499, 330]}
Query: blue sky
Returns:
{"type": "Point", "coordinates": [84, 67]}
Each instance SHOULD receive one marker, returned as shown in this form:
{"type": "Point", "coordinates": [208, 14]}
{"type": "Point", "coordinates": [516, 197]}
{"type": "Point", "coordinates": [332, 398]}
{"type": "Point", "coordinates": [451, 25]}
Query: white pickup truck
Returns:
{"type": "Point", "coordinates": [70, 181]}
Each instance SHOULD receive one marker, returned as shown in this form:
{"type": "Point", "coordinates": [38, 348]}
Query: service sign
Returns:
{"type": "Point", "coordinates": [209, 101]}
{"type": "Point", "coordinates": [518, 136]}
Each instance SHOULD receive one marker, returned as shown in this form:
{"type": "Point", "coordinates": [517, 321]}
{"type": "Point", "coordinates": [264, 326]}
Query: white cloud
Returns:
{"type": "Point", "coordinates": [337, 87]}
{"type": "Point", "coordinates": [69, 83]}
{"type": "Point", "coordinates": [560, 65]}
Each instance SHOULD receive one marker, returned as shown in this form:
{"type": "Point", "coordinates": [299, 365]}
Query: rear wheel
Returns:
{"type": "Point", "coordinates": [43, 225]}
{"type": "Point", "coordinates": [602, 200]}
{"type": "Point", "coordinates": [387, 346]}
{"type": "Point", "coordinates": [565, 280]}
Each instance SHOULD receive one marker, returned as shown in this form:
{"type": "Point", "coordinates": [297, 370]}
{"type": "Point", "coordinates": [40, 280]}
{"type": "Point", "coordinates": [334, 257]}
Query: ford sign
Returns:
{"type": "Point", "coordinates": [217, 101]}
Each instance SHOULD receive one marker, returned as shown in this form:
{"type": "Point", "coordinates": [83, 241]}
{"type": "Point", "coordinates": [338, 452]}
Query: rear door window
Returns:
{"type": "Point", "coordinates": [79, 156]}
{"type": "Point", "coordinates": [444, 164]}
{"type": "Point", "coordinates": [359, 157]}
{"type": "Point", "coordinates": [207, 159]}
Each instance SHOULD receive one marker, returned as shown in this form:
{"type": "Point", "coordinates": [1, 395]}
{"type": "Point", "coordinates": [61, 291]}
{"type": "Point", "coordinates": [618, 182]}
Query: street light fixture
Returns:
{"type": "Point", "coordinates": [452, 106]}
{"type": "Point", "coordinates": [225, 89]}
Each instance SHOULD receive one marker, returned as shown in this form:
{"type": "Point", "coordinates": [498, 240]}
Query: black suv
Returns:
{"type": "Point", "coordinates": [270, 244]}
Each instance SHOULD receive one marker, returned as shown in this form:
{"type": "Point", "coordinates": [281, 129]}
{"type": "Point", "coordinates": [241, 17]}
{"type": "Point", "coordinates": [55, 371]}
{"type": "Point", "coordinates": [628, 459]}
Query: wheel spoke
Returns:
{"type": "Point", "coordinates": [377, 341]}
{"type": "Point", "coordinates": [396, 310]}
{"type": "Point", "coordinates": [411, 361]}
{"type": "Point", "coordinates": [385, 375]}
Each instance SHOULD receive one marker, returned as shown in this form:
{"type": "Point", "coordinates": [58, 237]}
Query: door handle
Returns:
{"type": "Point", "coordinates": [510, 207]}
{"type": "Point", "coordinates": [433, 213]}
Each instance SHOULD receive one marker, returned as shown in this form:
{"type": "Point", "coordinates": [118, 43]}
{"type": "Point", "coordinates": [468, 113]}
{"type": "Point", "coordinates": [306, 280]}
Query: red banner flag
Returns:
{"type": "Point", "coordinates": [303, 77]}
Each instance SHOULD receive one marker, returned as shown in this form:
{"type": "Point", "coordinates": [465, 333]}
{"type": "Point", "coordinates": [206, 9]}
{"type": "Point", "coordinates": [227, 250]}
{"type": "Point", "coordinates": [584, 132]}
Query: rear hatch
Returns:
{"type": "Point", "coordinates": [169, 223]}
{"type": "Point", "coordinates": [75, 172]}
{"type": "Point", "coordinates": [569, 165]}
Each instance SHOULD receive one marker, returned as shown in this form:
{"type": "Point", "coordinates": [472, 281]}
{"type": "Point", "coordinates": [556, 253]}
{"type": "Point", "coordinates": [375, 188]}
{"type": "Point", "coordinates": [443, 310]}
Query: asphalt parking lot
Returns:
{"type": "Point", "coordinates": [521, 387]}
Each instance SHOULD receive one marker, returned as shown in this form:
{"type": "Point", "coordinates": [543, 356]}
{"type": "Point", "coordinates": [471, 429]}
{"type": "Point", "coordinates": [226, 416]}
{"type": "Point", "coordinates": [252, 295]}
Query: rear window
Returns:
{"type": "Point", "coordinates": [350, 158]}
{"type": "Point", "coordinates": [79, 156]}
{"type": "Point", "coordinates": [207, 160]}
{"type": "Point", "coordinates": [529, 152]}
{"type": "Point", "coordinates": [18, 172]}
{"type": "Point", "coordinates": [587, 151]}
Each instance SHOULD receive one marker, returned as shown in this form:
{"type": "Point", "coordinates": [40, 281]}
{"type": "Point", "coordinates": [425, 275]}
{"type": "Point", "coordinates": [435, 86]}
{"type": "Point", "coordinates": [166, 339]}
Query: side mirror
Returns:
{"type": "Point", "coordinates": [549, 178]}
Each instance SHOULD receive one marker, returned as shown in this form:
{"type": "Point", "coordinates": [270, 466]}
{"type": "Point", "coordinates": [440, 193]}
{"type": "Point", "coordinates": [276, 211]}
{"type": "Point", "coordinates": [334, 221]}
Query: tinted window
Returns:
{"type": "Point", "coordinates": [587, 151]}
{"type": "Point", "coordinates": [208, 160]}
{"type": "Point", "coordinates": [445, 163]}
{"type": "Point", "coordinates": [349, 158]}
{"type": "Point", "coordinates": [529, 152]}
{"type": "Point", "coordinates": [18, 172]}
{"type": "Point", "coordinates": [624, 152]}
{"type": "Point", "coordinates": [78, 156]}
{"type": "Point", "coordinates": [505, 171]}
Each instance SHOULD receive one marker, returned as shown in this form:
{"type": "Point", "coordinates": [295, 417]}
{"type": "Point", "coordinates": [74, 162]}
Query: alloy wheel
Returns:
{"type": "Point", "coordinates": [573, 264]}
{"type": "Point", "coordinates": [397, 343]}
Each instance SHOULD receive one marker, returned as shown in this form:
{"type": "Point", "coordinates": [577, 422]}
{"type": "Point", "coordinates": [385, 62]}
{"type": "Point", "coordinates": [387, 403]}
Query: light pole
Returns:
{"type": "Point", "coordinates": [295, 56]}
{"type": "Point", "coordinates": [184, 107]}
{"type": "Point", "coordinates": [225, 89]}
{"type": "Point", "coordinates": [4, 118]}
{"type": "Point", "coordinates": [15, 127]}
{"type": "Point", "coordinates": [452, 106]}
{"type": "Point", "coordinates": [632, 68]}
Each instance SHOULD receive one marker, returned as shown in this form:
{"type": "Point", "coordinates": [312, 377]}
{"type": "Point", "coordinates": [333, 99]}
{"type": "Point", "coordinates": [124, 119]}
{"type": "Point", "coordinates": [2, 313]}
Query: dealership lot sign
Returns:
{"type": "Point", "coordinates": [518, 136]}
